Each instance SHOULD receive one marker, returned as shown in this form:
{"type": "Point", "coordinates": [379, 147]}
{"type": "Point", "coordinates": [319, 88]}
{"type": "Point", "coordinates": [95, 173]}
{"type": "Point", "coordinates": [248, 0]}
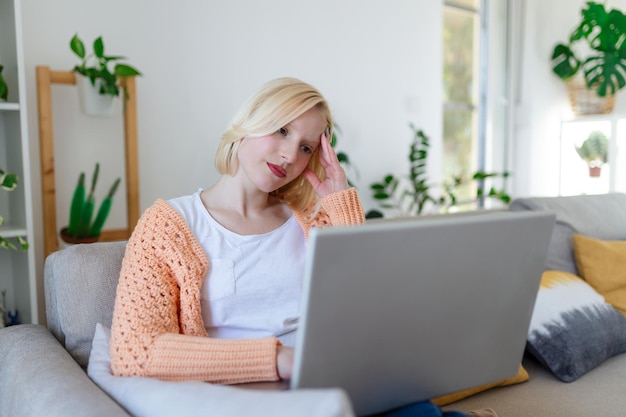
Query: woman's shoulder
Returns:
{"type": "Point", "coordinates": [165, 231]}
{"type": "Point", "coordinates": [162, 220]}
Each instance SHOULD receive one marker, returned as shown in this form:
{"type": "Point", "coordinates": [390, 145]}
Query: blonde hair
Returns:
{"type": "Point", "coordinates": [276, 104]}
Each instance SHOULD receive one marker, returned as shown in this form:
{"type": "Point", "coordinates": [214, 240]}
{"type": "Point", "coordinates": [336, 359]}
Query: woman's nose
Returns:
{"type": "Point", "coordinates": [289, 152]}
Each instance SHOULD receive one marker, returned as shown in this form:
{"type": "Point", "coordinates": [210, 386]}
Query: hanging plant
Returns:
{"type": "Point", "coordinates": [602, 36]}
{"type": "Point", "coordinates": [96, 66]}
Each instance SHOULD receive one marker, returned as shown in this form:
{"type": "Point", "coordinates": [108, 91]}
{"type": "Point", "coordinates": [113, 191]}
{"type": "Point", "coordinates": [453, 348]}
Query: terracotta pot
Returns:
{"type": "Point", "coordinates": [595, 171]}
{"type": "Point", "coordinates": [75, 240]}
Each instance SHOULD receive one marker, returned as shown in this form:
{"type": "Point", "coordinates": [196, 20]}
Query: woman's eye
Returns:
{"type": "Point", "coordinates": [307, 149]}
{"type": "Point", "coordinates": [282, 131]}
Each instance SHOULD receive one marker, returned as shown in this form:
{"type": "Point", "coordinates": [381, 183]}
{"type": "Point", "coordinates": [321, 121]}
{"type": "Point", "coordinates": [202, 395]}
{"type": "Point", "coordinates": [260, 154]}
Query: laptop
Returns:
{"type": "Point", "coordinates": [400, 311]}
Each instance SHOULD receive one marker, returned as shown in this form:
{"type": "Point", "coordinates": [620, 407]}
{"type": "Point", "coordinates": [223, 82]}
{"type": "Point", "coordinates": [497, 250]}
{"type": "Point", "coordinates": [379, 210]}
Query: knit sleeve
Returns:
{"type": "Point", "coordinates": [337, 209]}
{"type": "Point", "coordinates": [157, 328]}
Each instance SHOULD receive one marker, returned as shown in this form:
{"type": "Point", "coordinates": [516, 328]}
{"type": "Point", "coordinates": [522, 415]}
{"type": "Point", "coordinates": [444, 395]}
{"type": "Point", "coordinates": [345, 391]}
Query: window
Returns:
{"type": "Point", "coordinates": [461, 83]}
{"type": "Point", "coordinates": [476, 84]}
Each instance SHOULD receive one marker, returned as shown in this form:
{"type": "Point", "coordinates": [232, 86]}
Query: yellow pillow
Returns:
{"type": "Point", "coordinates": [521, 376]}
{"type": "Point", "coordinates": [602, 263]}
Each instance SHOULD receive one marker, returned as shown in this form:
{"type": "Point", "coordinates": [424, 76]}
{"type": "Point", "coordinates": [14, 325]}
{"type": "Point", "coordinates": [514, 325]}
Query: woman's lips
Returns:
{"type": "Point", "coordinates": [277, 170]}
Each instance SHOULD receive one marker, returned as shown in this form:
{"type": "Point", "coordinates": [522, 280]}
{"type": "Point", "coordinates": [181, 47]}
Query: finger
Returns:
{"type": "Point", "coordinates": [312, 178]}
{"type": "Point", "coordinates": [329, 154]}
{"type": "Point", "coordinates": [323, 149]}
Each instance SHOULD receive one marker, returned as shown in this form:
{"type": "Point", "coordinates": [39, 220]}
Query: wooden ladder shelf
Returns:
{"type": "Point", "coordinates": [45, 78]}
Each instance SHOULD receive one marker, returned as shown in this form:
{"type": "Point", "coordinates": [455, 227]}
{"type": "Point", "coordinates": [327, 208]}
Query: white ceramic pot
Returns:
{"type": "Point", "coordinates": [93, 103]}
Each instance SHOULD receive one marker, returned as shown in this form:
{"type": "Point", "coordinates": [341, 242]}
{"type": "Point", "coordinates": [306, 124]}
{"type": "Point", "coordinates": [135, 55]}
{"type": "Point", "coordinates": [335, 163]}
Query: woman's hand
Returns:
{"type": "Point", "coordinates": [284, 361]}
{"type": "Point", "coordinates": [336, 179]}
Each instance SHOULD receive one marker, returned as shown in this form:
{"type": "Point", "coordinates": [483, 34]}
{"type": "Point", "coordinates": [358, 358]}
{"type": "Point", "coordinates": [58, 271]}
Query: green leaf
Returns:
{"type": "Point", "coordinates": [5, 244]}
{"type": "Point", "coordinates": [388, 179]}
{"type": "Point", "coordinates": [8, 181]}
{"type": "Point", "coordinates": [564, 62]}
{"type": "Point", "coordinates": [76, 206]}
{"type": "Point", "coordinates": [377, 187]}
{"type": "Point", "coordinates": [381, 196]}
{"type": "Point", "coordinates": [374, 214]}
{"type": "Point", "coordinates": [123, 70]}
{"type": "Point", "coordinates": [23, 243]}
{"type": "Point", "coordinates": [77, 46]}
{"type": "Point", "coordinates": [98, 47]}
{"type": "Point", "coordinates": [342, 157]}
{"type": "Point", "coordinates": [94, 178]}
{"type": "Point", "coordinates": [4, 89]}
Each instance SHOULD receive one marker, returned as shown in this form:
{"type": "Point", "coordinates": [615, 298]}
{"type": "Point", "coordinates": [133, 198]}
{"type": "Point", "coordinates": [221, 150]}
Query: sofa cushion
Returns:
{"type": "Point", "coordinates": [521, 376]}
{"type": "Point", "coordinates": [602, 263]}
{"type": "Point", "coordinates": [80, 285]}
{"type": "Point", "coordinates": [578, 214]}
{"type": "Point", "coordinates": [573, 329]}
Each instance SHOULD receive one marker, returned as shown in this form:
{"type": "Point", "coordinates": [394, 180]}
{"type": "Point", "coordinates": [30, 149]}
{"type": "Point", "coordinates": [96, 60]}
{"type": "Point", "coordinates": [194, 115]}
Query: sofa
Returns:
{"type": "Point", "coordinates": [600, 390]}
{"type": "Point", "coordinates": [43, 368]}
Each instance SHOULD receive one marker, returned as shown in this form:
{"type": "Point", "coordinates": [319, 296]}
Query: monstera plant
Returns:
{"type": "Point", "coordinates": [597, 48]}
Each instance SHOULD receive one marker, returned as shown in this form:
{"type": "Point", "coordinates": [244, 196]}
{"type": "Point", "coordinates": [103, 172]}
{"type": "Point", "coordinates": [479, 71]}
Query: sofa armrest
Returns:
{"type": "Point", "coordinates": [38, 377]}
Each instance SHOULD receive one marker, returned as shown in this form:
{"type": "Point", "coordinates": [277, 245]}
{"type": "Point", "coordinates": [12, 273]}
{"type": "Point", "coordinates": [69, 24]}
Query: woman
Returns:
{"type": "Point", "coordinates": [209, 280]}
{"type": "Point", "coordinates": [226, 262]}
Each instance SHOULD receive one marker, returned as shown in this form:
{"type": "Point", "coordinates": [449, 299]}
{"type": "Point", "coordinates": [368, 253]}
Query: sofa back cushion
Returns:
{"type": "Point", "coordinates": [599, 216]}
{"type": "Point", "coordinates": [80, 284]}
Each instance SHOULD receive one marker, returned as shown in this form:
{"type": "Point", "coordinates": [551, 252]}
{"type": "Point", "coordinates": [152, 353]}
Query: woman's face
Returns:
{"type": "Point", "coordinates": [273, 161]}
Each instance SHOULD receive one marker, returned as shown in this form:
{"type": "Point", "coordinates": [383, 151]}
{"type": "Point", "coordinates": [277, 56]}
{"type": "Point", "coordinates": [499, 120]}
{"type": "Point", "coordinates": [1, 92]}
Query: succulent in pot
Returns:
{"type": "Point", "coordinates": [83, 227]}
{"type": "Point", "coordinates": [594, 151]}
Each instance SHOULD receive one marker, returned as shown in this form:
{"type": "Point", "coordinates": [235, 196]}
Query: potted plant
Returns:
{"type": "Point", "coordinates": [4, 90]}
{"type": "Point", "coordinates": [83, 227]}
{"type": "Point", "coordinates": [413, 194]}
{"type": "Point", "coordinates": [96, 74]}
{"type": "Point", "coordinates": [594, 151]}
{"type": "Point", "coordinates": [8, 182]}
{"type": "Point", "coordinates": [593, 61]}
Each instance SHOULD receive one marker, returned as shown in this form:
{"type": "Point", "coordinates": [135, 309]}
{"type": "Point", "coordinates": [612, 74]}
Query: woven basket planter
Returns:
{"type": "Point", "coordinates": [585, 100]}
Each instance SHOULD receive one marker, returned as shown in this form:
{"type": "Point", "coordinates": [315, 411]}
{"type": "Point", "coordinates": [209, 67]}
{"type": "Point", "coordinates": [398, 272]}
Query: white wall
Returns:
{"type": "Point", "coordinates": [541, 98]}
{"type": "Point", "coordinates": [378, 63]}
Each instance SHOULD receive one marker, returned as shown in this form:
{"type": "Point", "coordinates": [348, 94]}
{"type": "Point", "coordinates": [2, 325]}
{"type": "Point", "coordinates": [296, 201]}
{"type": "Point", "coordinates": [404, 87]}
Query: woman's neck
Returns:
{"type": "Point", "coordinates": [243, 210]}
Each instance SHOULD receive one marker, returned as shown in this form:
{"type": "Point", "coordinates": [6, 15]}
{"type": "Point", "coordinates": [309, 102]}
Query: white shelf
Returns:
{"type": "Point", "coordinates": [9, 106]}
{"type": "Point", "coordinates": [17, 267]}
{"type": "Point", "coordinates": [10, 231]}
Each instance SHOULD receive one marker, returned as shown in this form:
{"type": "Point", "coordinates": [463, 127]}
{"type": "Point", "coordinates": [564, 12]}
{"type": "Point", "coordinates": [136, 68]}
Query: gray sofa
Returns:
{"type": "Point", "coordinates": [42, 369]}
{"type": "Point", "coordinates": [602, 390]}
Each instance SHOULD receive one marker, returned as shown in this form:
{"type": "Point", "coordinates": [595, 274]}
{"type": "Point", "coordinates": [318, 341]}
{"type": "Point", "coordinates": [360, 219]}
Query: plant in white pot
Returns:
{"type": "Point", "coordinates": [96, 74]}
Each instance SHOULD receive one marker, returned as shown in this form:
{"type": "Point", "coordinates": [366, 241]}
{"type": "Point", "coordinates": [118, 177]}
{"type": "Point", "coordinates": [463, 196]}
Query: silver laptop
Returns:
{"type": "Point", "coordinates": [400, 311]}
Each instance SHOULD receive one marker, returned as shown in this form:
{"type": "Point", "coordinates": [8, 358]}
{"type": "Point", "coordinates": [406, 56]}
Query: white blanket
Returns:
{"type": "Point", "coordinates": [148, 397]}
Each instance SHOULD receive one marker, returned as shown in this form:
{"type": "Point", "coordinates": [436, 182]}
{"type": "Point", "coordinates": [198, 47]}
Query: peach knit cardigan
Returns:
{"type": "Point", "coordinates": [157, 328]}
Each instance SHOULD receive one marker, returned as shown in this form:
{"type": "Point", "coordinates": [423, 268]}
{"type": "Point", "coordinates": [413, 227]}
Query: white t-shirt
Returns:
{"type": "Point", "coordinates": [253, 282]}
